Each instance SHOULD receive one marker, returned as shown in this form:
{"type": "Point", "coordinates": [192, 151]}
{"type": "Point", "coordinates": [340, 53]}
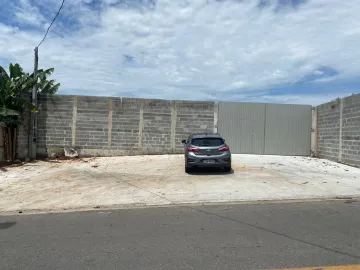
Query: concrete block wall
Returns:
{"type": "Point", "coordinates": [193, 117]}
{"type": "Point", "coordinates": [23, 137]}
{"type": "Point", "coordinates": [91, 123]}
{"type": "Point", "coordinates": [328, 130]}
{"type": "Point", "coordinates": [123, 122]}
{"type": "Point", "coordinates": [156, 135]}
{"type": "Point", "coordinates": [350, 145]}
{"type": "Point", "coordinates": [106, 126]}
{"type": "Point", "coordinates": [338, 130]}
{"type": "Point", "coordinates": [54, 123]}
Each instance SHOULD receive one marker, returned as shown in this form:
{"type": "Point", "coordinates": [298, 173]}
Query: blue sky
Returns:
{"type": "Point", "coordinates": [282, 51]}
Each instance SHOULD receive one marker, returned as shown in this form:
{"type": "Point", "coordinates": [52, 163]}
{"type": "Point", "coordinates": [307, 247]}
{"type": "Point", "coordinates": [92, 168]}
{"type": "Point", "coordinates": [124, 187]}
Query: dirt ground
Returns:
{"type": "Point", "coordinates": [57, 185]}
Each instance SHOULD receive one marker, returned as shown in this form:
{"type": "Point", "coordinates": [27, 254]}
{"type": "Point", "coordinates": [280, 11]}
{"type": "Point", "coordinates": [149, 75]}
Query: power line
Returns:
{"type": "Point", "coordinates": [47, 31]}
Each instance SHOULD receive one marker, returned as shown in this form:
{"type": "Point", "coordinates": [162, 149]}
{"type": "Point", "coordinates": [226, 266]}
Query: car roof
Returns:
{"type": "Point", "coordinates": [205, 135]}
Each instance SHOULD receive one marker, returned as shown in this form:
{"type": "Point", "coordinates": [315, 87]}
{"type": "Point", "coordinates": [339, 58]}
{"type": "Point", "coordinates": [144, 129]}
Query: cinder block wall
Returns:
{"type": "Point", "coordinates": [23, 137]}
{"type": "Point", "coordinates": [350, 146]}
{"type": "Point", "coordinates": [328, 130]}
{"type": "Point", "coordinates": [106, 126]}
{"type": "Point", "coordinates": [54, 122]}
{"type": "Point", "coordinates": [338, 130]}
{"type": "Point", "coordinates": [192, 116]}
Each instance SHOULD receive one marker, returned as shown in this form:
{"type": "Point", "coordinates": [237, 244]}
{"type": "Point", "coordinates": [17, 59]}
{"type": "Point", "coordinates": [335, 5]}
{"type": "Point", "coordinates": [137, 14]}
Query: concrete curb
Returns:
{"type": "Point", "coordinates": [346, 199]}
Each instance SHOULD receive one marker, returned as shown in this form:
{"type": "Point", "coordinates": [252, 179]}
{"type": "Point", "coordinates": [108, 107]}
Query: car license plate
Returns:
{"type": "Point", "coordinates": [209, 161]}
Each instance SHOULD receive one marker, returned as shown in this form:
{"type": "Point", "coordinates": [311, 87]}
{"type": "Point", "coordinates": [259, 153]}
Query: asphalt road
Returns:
{"type": "Point", "coordinates": [243, 236]}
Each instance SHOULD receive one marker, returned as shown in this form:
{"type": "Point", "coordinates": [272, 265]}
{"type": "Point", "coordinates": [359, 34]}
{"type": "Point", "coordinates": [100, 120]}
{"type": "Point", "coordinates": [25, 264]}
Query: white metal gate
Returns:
{"type": "Point", "coordinates": [270, 129]}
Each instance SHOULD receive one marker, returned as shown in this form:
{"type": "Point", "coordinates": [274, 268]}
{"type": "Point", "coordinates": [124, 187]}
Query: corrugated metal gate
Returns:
{"type": "Point", "coordinates": [270, 129]}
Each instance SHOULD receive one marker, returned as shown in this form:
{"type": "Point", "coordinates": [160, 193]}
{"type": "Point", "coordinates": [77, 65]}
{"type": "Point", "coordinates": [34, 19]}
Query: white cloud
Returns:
{"type": "Point", "coordinates": [318, 72]}
{"type": "Point", "coordinates": [239, 85]}
{"type": "Point", "coordinates": [28, 14]}
{"type": "Point", "coordinates": [194, 49]}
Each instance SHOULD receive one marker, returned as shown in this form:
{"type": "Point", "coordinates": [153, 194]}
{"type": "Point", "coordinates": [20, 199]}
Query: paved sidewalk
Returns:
{"type": "Point", "coordinates": [161, 180]}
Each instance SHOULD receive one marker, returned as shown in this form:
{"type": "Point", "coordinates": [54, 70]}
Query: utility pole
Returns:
{"type": "Point", "coordinates": [33, 124]}
{"type": "Point", "coordinates": [33, 115]}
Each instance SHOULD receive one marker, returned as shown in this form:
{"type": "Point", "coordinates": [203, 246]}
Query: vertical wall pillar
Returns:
{"type": "Point", "coordinates": [141, 126]}
{"type": "Point", "coordinates": [173, 125]}
{"type": "Point", "coordinates": [340, 129]}
{"type": "Point", "coordinates": [216, 117]}
{"type": "Point", "coordinates": [73, 126]}
{"type": "Point", "coordinates": [110, 124]}
{"type": "Point", "coordinates": [314, 132]}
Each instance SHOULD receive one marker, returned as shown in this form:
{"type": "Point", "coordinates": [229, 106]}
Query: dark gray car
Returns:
{"type": "Point", "coordinates": [206, 150]}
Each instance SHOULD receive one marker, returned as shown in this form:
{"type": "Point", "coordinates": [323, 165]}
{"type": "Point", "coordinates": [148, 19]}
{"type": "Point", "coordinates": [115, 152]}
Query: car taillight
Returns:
{"type": "Point", "coordinates": [193, 149]}
{"type": "Point", "coordinates": [224, 149]}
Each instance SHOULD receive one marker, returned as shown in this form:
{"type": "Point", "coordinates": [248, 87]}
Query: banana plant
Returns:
{"type": "Point", "coordinates": [14, 92]}
{"type": "Point", "coordinates": [4, 116]}
{"type": "Point", "coordinates": [15, 88]}
{"type": "Point", "coordinates": [45, 86]}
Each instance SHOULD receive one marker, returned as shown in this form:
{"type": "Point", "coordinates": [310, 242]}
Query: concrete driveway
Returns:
{"type": "Point", "coordinates": [161, 180]}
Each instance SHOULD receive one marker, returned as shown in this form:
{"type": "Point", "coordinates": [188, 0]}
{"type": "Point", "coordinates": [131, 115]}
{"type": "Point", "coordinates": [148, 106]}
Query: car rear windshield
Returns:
{"type": "Point", "coordinates": [207, 142]}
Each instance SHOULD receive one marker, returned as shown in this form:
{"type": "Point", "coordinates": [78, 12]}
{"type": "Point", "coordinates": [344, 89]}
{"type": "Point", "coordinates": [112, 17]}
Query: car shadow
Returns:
{"type": "Point", "coordinates": [209, 171]}
{"type": "Point", "coordinates": [7, 225]}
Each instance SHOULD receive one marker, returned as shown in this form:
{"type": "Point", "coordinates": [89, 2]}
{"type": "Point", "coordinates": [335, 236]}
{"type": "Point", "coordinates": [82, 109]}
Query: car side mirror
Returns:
{"type": "Point", "coordinates": [183, 141]}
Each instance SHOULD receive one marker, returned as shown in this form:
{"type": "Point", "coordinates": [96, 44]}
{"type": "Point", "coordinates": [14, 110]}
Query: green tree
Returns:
{"type": "Point", "coordinates": [15, 89]}
{"type": "Point", "coordinates": [47, 87]}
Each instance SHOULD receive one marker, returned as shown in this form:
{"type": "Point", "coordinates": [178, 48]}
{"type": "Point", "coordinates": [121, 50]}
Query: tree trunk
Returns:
{"type": "Point", "coordinates": [10, 143]}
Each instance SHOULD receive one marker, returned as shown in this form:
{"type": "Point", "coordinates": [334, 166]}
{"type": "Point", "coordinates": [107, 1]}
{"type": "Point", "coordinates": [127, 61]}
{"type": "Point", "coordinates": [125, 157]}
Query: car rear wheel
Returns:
{"type": "Point", "coordinates": [187, 169]}
{"type": "Point", "coordinates": [227, 168]}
